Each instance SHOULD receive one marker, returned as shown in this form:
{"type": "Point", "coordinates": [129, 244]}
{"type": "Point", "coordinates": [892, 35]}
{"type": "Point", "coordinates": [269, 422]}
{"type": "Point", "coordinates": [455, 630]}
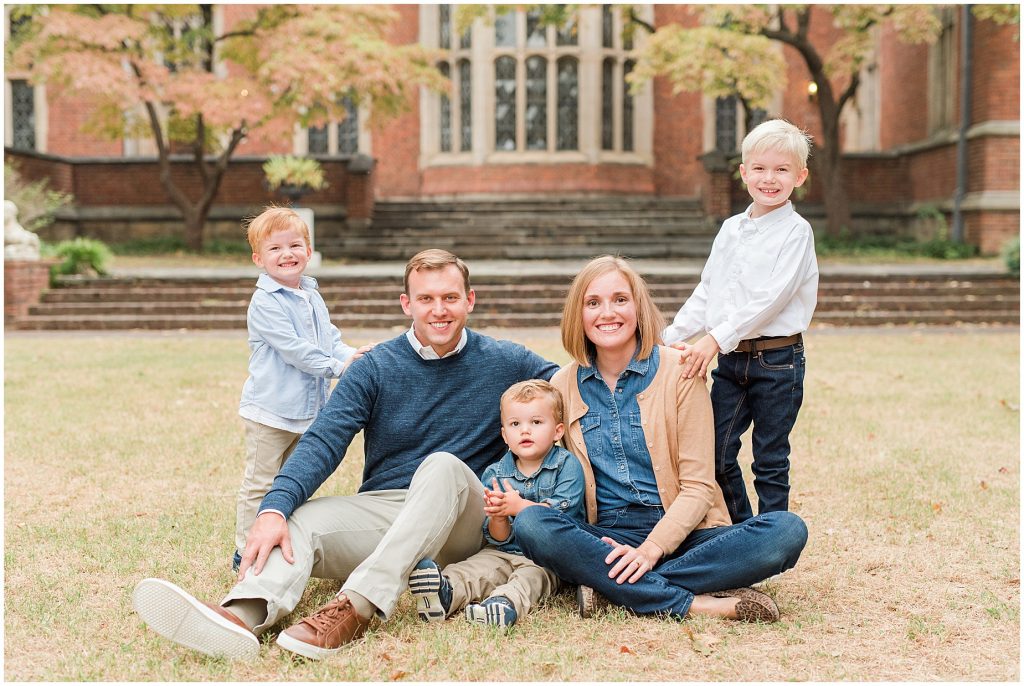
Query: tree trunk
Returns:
{"type": "Point", "coordinates": [195, 221]}
{"type": "Point", "coordinates": [829, 173]}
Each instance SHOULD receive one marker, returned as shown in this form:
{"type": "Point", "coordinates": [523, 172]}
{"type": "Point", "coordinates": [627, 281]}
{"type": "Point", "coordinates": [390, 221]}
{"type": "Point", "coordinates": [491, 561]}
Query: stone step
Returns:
{"type": "Point", "coordinates": [549, 303]}
{"type": "Point", "coordinates": [483, 320]}
{"type": "Point", "coordinates": [240, 290]}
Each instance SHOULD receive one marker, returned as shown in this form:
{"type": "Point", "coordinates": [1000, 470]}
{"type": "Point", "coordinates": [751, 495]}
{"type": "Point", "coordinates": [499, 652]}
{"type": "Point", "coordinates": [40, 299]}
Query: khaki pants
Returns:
{"type": "Point", "coordinates": [493, 572]}
{"type": "Point", "coordinates": [373, 540]}
{"type": "Point", "coordinates": [266, 450]}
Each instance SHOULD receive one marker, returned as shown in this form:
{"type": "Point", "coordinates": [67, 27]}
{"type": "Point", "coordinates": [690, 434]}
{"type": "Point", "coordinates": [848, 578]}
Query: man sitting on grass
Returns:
{"type": "Point", "coordinates": [428, 403]}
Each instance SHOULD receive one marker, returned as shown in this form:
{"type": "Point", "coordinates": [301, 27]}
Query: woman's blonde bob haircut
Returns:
{"type": "Point", "coordinates": [649, 322]}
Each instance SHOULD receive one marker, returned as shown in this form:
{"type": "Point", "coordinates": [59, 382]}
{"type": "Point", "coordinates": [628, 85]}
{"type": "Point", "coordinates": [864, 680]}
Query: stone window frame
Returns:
{"type": "Point", "coordinates": [482, 55]}
{"type": "Point", "coordinates": [40, 110]}
{"type": "Point", "coordinates": [336, 131]}
{"type": "Point", "coordinates": [943, 69]}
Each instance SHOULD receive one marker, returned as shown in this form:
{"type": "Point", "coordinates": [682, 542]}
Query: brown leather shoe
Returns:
{"type": "Point", "coordinates": [325, 631]}
{"type": "Point", "coordinates": [754, 606]}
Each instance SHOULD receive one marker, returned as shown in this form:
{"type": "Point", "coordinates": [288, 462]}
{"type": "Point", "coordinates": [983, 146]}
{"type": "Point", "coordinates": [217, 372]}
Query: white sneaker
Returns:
{"type": "Point", "coordinates": [176, 615]}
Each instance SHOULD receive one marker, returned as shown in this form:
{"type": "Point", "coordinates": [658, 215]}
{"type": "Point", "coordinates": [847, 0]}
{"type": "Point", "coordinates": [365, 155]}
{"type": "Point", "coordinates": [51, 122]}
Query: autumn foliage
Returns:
{"type": "Point", "coordinates": [205, 88]}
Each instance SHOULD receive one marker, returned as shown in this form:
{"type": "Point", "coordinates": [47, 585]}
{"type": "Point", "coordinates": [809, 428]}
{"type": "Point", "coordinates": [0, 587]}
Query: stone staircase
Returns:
{"type": "Point", "coordinates": [529, 228]}
{"type": "Point", "coordinates": [507, 300]}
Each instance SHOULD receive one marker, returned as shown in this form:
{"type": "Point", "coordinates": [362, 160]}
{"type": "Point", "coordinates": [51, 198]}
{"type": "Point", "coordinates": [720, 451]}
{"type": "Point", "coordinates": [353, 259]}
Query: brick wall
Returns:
{"type": "Point", "coordinates": [396, 142]}
{"type": "Point", "coordinates": [996, 72]}
{"type": "Point", "coordinates": [24, 283]}
{"type": "Point", "coordinates": [903, 84]}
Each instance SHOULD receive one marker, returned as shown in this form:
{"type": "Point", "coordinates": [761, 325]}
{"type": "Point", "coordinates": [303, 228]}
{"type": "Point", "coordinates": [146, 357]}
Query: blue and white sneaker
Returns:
{"type": "Point", "coordinates": [432, 590]}
{"type": "Point", "coordinates": [497, 611]}
{"type": "Point", "coordinates": [236, 561]}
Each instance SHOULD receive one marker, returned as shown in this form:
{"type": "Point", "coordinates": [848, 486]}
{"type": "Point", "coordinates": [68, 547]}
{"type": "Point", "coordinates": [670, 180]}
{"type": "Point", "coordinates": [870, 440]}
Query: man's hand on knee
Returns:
{"type": "Point", "coordinates": [269, 531]}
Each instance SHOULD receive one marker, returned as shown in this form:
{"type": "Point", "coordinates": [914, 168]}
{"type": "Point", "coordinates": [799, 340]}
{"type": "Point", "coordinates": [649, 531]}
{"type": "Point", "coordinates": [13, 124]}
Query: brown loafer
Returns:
{"type": "Point", "coordinates": [754, 606]}
{"type": "Point", "coordinates": [325, 631]}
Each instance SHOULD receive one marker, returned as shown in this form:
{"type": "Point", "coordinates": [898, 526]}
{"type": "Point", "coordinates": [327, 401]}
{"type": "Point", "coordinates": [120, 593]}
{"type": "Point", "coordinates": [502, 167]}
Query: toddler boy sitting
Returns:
{"type": "Point", "coordinates": [533, 473]}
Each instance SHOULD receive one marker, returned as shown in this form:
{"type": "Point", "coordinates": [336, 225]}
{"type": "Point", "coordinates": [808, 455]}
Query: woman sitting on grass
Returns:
{"type": "Point", "coordinates": [658, 538]}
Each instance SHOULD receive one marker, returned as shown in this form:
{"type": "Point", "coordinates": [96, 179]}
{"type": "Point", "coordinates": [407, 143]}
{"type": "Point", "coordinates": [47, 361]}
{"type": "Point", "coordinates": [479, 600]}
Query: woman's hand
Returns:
{"type": "Point", "coordinates": [632, 563]}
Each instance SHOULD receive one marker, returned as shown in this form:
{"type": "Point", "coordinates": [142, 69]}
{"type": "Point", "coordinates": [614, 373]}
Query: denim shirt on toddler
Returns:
{"type": "Point", "coordinates": [558, 482]}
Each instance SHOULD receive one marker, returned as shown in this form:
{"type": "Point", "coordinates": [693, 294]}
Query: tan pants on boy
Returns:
{"type": "Point", "coordinates": [266, 450]}
{"type": "Point", "coordinates": [372, 540]}
{"type": "Point", "coordinates": [491, 573]}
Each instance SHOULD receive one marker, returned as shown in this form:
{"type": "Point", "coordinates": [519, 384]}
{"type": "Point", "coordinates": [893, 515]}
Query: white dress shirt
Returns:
{"type": "Point", "coordinates": [761, 279]}
{"type": "Point", "coordinates": [428, 353]}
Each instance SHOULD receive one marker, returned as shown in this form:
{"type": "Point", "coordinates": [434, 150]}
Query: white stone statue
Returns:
{"type": "Point", "coordinates": [19, 243]}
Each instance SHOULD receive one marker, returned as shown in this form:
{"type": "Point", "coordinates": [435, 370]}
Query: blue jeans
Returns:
{"type": "Point", "coordinates": [708, 560]}
{"type": "Point", "coordinates": [766, 388]}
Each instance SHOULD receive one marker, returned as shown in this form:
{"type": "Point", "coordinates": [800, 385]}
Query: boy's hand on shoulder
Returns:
{"type": "Point", "coordinates": [356, 355]}
{"type": "Point", "coordinates": [698, 356]}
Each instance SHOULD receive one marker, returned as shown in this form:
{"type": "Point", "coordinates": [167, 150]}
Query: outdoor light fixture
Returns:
{"type": "Point", "coordinates": [812, 90]}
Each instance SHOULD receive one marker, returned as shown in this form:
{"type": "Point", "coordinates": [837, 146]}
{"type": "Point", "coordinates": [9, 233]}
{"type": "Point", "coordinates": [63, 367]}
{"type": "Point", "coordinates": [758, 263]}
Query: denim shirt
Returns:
{"type": "Point", "coordinates": [558, 482]}
{"type": "Point", "coordinates": [614, 435]}
{"type": "Point", "coordinates": [289, 373]}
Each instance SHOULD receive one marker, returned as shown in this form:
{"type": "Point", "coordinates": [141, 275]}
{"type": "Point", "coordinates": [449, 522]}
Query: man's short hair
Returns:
{"type": "Point", "coordinates": [778, 134]}
{"type": "Point", "coordinates": [649, 320]}
{"type": "Point", "coordinates": [525, 391]}
{"type": "Point", "coordinates": [259, 228]}
{"type": "Point", "coordinates": [432, 260]}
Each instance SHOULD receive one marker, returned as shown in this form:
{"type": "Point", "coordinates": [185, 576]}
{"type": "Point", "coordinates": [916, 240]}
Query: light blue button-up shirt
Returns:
{"type": "Point", "coordinates": [614, 435]}
{"type": "Point", "coordinates": [295, 351]}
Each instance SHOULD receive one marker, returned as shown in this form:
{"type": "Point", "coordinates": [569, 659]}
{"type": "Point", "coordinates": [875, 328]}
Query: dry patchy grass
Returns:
{"type": "Point", "coordinates": [123, 455]}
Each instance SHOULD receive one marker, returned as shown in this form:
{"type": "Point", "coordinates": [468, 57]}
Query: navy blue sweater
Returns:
{"type": "Point", "coordinates": [409, 408]}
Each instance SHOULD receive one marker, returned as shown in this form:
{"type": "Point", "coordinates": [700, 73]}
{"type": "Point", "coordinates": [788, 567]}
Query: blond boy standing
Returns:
{"type": "Point", "coordinates": [755, 299]}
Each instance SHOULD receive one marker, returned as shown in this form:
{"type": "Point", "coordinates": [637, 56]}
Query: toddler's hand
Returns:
{"type": "Point", "coordinates": [356, 355]}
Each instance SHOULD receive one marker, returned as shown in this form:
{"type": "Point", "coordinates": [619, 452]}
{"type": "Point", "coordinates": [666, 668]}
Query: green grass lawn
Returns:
{"type": "Point", "coordinates": [123, 455]}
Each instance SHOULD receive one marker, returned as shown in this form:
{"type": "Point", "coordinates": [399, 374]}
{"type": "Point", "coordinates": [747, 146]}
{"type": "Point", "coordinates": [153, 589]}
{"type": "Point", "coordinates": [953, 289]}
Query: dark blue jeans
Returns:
{"type": "Point", "coordinates": [708, 560]}
{"type": "Point", "coordinates": [766, 388]}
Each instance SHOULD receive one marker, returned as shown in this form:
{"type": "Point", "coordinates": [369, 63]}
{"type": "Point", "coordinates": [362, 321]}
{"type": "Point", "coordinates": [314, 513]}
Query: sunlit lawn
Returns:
{"type": "Point", "coordinates": [123, 455]}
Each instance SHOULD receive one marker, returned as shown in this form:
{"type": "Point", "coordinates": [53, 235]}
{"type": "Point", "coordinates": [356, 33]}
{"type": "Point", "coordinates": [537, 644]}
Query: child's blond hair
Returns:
{"type": "Point", "coordinates": [778, 134]}
{"type": "Point", "coordinates": [525, 391]}
{"type": "Point", "coordinates": [272, 219]}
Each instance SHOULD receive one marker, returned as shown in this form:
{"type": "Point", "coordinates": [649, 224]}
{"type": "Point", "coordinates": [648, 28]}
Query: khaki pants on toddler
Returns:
{"type": "Point", "coordinates": [492, 572]}
{"type": "Point", "coordinates": [266, 450]}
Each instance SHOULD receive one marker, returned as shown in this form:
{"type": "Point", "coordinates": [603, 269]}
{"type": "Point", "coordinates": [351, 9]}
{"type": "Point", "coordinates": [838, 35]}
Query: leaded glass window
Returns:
{"type": "Point", "coordinates": [607, 27]}
{"type": "Point", "coordinates": [348, 128]}
{"type": "Point", "coordinates": [318, 140]}
{"type": "Point", "coordinates": [568, 34]}
{"type": "Point", "coordinates": [505, 103]}
{"type": "Point", "coordinates": [444, 38]}
{"type": "Point", "coordinates": [536, 35]}
{"type": "Point", "coordinates": [568, 104]}
{"type": "Point", "coordinates": [725, 124]}
{"type": "Point", "coordinates": [607, 122]}
{"type": "Point", "coordinates": [505, 30]}
{"type": "Point", "coordinates": [446, 112]}
{"type": "Point", "coordinates": [536, 103]}
{"type": "Point", "coordinates": [465, 106]}
{"type": "Point", "coordinates": [627, 108]}
{"type": "Point", "coordinates": [758, 116]}
{"type": "Point", "coordinates": [23, 115]}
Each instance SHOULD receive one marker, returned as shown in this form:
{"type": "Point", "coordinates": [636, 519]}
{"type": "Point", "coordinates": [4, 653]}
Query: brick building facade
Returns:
{"type": "Point", "coordinates": [534, 112]}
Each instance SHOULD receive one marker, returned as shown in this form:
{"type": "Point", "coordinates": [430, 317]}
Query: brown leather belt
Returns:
{"type": "Point", "coordinates": [755, 345]}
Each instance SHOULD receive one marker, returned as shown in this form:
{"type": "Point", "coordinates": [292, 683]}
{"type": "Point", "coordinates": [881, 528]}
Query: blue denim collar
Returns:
{"type": "Point", "coordinates": [775, 216]}
{"type": "Point", "coordinates": [267, 283]}
{"type": "Point", "coordinates": [635, 366]}
{"type": "Point", "coordinates": [506, 467]}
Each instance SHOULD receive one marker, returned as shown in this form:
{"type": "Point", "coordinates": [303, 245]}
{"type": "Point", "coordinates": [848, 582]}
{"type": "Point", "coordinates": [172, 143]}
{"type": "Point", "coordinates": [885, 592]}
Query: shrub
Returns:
{"type": "Point", "coordinates": [289, 170]}
{"type": "Point", "coordinates": [37, 202]}
{"type": "Point", "coordinates": [1011, 255]}
{"type": "Point", "coordinates": [81, 256]}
